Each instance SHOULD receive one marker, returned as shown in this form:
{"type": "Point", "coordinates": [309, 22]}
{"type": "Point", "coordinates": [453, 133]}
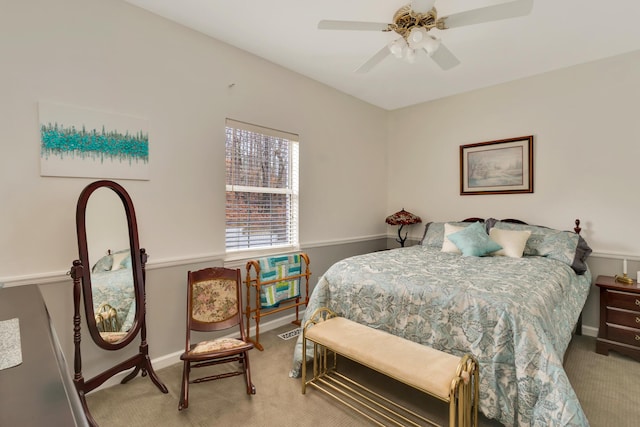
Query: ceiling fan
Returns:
{"type": "Point", "coordinates": [413, 23]}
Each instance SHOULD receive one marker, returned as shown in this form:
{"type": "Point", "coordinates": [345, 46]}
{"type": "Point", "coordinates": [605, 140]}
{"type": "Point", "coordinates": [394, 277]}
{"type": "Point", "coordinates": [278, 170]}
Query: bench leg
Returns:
{"type": "Point", "coordinates": [304, 364]}
{"type": "Point", "coordinates": [464, 394]}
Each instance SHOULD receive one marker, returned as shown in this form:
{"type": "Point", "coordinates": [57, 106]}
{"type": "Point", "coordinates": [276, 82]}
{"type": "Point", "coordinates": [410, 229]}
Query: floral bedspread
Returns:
{"type": "Point", "coordinates": [115, 288]}
{"type": "Point", "coordinates": [516, 315]}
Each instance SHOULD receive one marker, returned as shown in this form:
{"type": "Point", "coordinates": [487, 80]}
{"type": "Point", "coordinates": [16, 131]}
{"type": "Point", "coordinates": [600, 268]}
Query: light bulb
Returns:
{"type": "Point", "coordinates": [416, 35]}
{"type": "Point", "coordinates": [394, 48]}
{"type": "Point", "coordinates": [431, 44]}
{"type": "Point", "coordinates": [397, 47]}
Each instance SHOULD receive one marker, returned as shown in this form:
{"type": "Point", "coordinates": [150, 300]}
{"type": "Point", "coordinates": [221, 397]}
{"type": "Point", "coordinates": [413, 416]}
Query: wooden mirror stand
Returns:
{"type": "Point", "coordinates": [82, 272]}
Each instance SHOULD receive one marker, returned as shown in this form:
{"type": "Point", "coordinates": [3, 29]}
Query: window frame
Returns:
{"type": "Point", "coordinates": [292, 190]}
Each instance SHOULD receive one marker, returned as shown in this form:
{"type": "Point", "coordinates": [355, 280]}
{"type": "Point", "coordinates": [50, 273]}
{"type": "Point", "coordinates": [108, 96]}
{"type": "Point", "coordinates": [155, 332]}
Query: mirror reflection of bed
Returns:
{"type": "Point", "coordinates": [113, 296]}
{"type": "Point", "coordinates": [111, 274]}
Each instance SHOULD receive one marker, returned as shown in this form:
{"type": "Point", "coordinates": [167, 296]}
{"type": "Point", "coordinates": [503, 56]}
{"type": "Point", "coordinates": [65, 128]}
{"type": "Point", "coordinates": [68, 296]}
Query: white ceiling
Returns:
{"type": "Point", "coordinates": [557, 34]}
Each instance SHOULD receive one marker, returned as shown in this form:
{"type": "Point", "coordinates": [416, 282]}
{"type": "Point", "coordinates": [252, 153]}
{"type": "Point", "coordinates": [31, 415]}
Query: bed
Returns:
{"type": "Point", "coordinates": [113, 295]}
{"type": "Point", "coordinates": [515, 312]}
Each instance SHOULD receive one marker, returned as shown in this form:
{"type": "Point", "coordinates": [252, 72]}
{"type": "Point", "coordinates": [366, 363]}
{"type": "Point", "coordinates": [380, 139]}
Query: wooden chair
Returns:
{"type": "Point", "coordinates": [213, 304]}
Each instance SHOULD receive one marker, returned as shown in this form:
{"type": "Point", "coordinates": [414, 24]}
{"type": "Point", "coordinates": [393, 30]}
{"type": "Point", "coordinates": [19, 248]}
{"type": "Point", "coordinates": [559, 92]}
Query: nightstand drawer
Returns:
{"type": "Point", "coordinates": [623, 317]}
{"type": "Point", "coordinates": [624, 300]}
{"type": "Point", "coordinates": [624, 335]}
{"type": "Point", "coordinates": [619, 317]}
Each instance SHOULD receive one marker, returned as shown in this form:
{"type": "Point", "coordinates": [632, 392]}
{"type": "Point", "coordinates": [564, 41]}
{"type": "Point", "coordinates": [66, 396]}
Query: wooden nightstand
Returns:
{"type": "Point", "coordinates": [619, 317]}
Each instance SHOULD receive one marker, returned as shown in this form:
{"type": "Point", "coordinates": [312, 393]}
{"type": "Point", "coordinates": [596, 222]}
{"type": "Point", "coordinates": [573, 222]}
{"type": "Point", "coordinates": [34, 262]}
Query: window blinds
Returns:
{"type": "Point", "coordinates": [261, 187]}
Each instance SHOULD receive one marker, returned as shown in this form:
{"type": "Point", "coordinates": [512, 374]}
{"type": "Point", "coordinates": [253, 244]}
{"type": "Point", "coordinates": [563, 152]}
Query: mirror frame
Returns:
{"type": "Point", "coordinates": [138, 258]}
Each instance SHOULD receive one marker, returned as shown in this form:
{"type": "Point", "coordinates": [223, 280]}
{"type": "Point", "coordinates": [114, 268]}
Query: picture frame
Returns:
{"type": "Point", "coordinates": [497, 167]}
{"type": "Point", "coordinates": [82, 142]}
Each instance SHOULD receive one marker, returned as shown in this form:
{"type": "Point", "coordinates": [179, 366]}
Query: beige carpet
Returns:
{"type": "Point", "coordinates": [608, 388]}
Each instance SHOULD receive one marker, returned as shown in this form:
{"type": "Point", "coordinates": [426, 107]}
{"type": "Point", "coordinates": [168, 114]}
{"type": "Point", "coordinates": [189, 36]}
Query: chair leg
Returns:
{"type": "Point", "coordinates": [251, 389]}
{"type": "Point", "coordinates": [184, 391]}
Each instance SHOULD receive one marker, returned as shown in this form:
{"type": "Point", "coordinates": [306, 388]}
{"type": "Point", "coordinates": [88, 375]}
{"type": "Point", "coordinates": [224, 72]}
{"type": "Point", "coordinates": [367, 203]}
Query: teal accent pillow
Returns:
{"type": "Point", "coordinates": [474, 241]}
{"type": "Point", "coordinates": [434, 233]}
{"type": "Point", "coordinates": [126, 263]}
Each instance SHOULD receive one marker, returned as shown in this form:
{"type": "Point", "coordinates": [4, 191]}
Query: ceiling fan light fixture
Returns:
{"type": "Point", "coordinates": [413, 22]}
{"type": "Point", "coordinates": [398, 47]}
{"type": "Point", "coordinates": [431, 44]}
{"type": "Point", "coordinates": [417, 37]}
{"type": "Point", "coordinates": [422, 6]}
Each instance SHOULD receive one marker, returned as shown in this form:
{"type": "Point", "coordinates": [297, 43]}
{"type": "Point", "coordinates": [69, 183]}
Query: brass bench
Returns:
{"type": "Point", "coordinates": [449, 378]}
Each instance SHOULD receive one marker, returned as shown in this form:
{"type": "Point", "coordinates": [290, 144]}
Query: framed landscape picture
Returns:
{"type": "Point", "coordinates": [497, 167]}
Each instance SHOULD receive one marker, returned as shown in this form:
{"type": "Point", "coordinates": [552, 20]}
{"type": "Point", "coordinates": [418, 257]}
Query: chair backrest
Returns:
{"type": "Point", "coordinates": [213, 299]}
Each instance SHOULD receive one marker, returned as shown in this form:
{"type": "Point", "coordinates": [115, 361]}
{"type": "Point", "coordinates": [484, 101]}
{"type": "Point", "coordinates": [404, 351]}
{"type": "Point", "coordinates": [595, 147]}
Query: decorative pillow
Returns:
{"type": "Point", "coordinates": [434, 233]}
{"type": "Point", "coordinates": [538, 234]}
{"type": "Point", "coordinates": [447, 245]}
{"type": "Point", "coordinates": [565, 246]}
{"type": "Point", "coordinates": [126, 262]}
{"type": "Point", "coordinates": [560, 246]}
{"type": "Point", "coordinates": [104, 264]}
{"type": "Point", "coordinates": [431, 234]}
{"type": "Point", "coordinates": [119, 259]}
{"type": "Point", "coordinates": [474, 241]}
{"type": "Point", "coordinates": [582, 253]}
{"type": "Point", "coordinates": [512, 241]}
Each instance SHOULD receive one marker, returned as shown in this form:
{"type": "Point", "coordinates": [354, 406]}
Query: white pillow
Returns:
{"type": "Point", "coordinates": [118, 257]}
{"type": "Point", "coordinates": [512, 241]}
{"type": "Point", "coordinates": [448, 245]}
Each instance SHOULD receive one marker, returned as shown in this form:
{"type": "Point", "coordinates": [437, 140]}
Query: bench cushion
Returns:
{"type": "Point", "coordinates": [416, 365]}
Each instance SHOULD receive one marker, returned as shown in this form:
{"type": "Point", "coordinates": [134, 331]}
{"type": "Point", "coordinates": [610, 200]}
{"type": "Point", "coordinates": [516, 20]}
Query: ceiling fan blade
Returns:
{"type": "Point", "coordinates": [444, 58]}
{"type": "Point", "coordinates": [422, 6]}
{"type": "Point", "coordinates": [374, 60]}
{"type": "Point", "coordinates": [352, 25]}
{"type": "Point", "coordinates": [490, 13]}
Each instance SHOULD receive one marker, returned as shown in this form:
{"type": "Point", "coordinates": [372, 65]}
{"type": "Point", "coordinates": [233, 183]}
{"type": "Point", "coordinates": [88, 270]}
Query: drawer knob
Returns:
{"type": "Point", "coordinates": [637, 337]}
{"type": "Point", "coordinates": [637, 319]}
{"type": "Point", "coordinates": [638, 302]}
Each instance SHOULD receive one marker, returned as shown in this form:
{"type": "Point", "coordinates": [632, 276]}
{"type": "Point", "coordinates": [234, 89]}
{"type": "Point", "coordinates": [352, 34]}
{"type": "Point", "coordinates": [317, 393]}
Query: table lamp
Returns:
{"type": "Point", "coordinates": [402, 218]}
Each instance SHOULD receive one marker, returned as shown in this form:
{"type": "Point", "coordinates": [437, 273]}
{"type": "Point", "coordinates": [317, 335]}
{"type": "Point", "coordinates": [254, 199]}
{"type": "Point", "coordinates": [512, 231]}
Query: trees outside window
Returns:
{"type": "Point", "coordinates": [261, 187]}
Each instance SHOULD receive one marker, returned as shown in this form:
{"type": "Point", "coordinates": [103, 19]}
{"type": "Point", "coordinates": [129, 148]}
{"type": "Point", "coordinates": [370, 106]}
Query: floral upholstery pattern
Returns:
{"type": "Point", "coordinates": [217, 345]}
{"type": "Point", "coordinates": [214, 300]}
{"type": "Point", "coordinates": [113, 337]}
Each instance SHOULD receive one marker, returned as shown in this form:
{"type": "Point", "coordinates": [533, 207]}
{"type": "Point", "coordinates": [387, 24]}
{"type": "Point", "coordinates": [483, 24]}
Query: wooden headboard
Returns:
{"type": "Point", "coordinates": [577, 228]}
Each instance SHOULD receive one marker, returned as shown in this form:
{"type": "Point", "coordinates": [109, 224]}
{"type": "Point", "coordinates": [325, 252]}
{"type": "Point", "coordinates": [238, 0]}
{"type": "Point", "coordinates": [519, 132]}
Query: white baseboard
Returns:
{"type": "Point", "coordinates": [589, 331]}
{"type": "Point", "coordinates": [173, 358]}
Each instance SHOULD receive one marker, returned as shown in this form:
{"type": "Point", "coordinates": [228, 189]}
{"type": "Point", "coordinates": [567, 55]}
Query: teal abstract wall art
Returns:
{"type": "Point", "coordinates": [58, 140]}
{"type": "Point", "coordinates": [79, 142]}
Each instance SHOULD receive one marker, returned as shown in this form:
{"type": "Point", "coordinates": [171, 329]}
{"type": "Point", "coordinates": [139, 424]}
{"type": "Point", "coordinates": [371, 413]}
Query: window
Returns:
{"type": "Point", "coordinates": [262, 187]}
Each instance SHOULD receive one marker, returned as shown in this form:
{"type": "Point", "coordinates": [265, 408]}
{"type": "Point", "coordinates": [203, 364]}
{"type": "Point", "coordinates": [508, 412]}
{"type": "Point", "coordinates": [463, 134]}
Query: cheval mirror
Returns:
{"type": "Point", "coordinates": [110, 276]}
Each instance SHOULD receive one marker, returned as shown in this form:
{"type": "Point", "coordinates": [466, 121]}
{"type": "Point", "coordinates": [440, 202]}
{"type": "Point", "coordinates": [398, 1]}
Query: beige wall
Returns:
{"type": "Point", "coordinates": [108, 55]}
{"type": "Point", "coordinates": [586, 150]}
{"type": "Point", "coordinates": [355, 170]}
{"type": "Point", "coordinates": [111, 56]}
{"type": "Point", "coordinates": [586, 156]}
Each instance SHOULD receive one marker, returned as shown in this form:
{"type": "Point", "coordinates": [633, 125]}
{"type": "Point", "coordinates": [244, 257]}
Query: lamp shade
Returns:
{"type": "Point", "coordinates": [402, 217]}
